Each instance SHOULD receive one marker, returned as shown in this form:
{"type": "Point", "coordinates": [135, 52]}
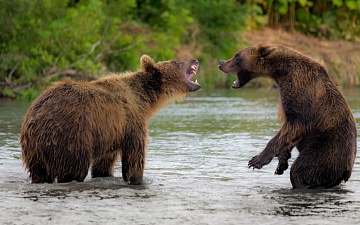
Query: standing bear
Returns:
{"type": "Point", "coordinates": [316, 118]}
{"type": "Point", "coordinates": [75, 125]}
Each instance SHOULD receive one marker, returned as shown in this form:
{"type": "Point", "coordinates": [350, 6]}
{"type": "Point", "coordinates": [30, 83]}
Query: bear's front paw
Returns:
{"type": "Point", "coordinates": [258, 162]}
{"type": "Point", "coordinates": [282, 166]}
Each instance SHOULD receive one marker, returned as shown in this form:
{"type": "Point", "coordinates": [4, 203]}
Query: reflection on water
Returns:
{"type": "Point", "coordinates": [313, 202]}
{"type": "Point", "coordinates": [196, 173]}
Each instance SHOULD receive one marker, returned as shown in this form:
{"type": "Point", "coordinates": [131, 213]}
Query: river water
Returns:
{"type": "Point", "coordinates": [196, 172]}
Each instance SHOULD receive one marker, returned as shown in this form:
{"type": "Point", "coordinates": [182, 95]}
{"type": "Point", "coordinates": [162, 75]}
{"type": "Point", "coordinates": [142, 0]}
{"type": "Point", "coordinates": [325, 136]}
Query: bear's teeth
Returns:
{"type": "Point", "coordinates": [196, 81]}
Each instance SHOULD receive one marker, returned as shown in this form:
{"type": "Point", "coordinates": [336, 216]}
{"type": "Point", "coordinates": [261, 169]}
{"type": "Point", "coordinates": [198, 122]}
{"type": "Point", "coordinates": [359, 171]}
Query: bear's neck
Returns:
{"type": "Point", "coordinates": [152, 93]}
{"type": "Point", "coordinates": [146, 91]}
{"type": "Point", "coordinates": [296, 73]}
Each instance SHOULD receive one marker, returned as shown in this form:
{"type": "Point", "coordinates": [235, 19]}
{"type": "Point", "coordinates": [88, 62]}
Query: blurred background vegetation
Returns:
{"type": "Point", "coordinates": [42, 41]}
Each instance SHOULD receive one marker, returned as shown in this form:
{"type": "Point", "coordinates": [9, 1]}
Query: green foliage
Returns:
{"type": "Point", "coordinates": [332, 19]}
{"type": "Point", "coordinates": [29, 94]}
{"type": "Point", "coordinates": [43, 38]}
{"type": "Point", "coordinates": [219, 27]}
{"type": "Point", "coordinates": [42, 41]}
{"type": "Point", "coordinates": [7, 92]}
{"type": "Point", "coordinates": [217, 35]}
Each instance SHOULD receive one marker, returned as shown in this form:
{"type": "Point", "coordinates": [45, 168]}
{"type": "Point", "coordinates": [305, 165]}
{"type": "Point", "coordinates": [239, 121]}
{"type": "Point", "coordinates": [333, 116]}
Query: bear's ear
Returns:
{"type": "Point", "coordinates": [265, 51]}
{"type": "Point", "coordinates": [147, 64]}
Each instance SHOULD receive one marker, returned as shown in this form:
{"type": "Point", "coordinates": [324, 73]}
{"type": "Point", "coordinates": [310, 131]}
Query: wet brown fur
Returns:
{"type": "Point", "coordinates": [75, 125]}
{"type": "Point", "coordinates": [316, 118]}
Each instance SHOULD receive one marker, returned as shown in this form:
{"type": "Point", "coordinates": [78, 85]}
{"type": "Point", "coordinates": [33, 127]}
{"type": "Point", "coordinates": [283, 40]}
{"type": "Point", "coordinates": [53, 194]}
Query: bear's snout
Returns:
{"type": "Point", "coordinates": [221, 63]}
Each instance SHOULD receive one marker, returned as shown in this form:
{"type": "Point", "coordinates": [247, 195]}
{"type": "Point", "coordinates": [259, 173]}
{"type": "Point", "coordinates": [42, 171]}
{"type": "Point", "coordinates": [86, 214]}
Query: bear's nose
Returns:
{"type": "Point", "coordinates": [221, 62]}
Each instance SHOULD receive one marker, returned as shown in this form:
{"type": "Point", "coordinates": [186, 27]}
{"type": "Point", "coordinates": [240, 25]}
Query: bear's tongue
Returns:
{"type": "Point", "coordinates": [236, 84]}
{"type": "Point", "coordinates": [191, 72]}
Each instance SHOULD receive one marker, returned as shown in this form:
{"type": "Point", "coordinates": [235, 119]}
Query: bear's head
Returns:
{"type": "Point", "coordinates": [252, 62]}
{"type": "Point", "coordinates": [174, 76]}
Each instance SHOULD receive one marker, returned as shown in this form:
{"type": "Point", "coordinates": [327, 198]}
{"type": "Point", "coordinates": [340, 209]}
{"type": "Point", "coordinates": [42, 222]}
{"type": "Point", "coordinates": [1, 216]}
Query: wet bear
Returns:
{"type": "Point", "coordinates": [316, 118]}
{"type": "Point", "coordinates": [75, 125]}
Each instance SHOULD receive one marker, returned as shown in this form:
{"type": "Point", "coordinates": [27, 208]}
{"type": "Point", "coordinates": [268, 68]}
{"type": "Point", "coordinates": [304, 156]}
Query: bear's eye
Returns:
{"type": "Point", "coordinates": [173, 62]}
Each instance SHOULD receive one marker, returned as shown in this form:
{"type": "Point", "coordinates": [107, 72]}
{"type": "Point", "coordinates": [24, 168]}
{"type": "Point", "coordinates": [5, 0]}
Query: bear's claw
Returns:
{"type": "Point", "coordinates": [257, 162]}
{"type": "Point", "coordinates": [282, 165]}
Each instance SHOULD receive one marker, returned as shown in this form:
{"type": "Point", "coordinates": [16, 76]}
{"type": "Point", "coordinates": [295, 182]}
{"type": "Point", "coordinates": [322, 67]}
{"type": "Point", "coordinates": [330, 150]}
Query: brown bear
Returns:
{"type": "Point", "coordinates": [75, 125]}
{"type": "Point", "coordinates": [316, 118]}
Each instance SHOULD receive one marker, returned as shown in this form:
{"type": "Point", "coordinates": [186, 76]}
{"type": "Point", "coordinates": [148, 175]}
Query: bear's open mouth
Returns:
{"type": "Point", "coordinates": [236, 84]}
{"type": "Point", "coordinates": [191, 72]}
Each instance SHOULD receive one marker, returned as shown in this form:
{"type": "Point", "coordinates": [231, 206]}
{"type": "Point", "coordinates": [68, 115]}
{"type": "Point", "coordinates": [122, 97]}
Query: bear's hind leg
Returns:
{"type": "Point", "coordinates": [105, 166]}
{"type": "Point", "coordinates": [311, 172]}
{"type": "Point", "coordinates": [79, 175]}
{"type": "Point", "coordinates": [75, 168]}
{"type": "Point", "coordinates": [133, 168]}
{"type": "Point", "coordinates": [71, 177]}
{"type": "Point", "coordinates": [37, 170]}
{"type": "Point", "coordinates": [133, 155]}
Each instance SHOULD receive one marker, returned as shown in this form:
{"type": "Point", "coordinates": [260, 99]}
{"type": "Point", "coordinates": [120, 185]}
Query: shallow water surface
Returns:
{"type": "Point", "coordinates": [196, 172]}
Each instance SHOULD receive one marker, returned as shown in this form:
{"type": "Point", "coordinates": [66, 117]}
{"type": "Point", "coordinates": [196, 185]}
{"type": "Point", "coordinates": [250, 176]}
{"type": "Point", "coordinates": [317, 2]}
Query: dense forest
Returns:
{"type": "Point", "coordinates": [43, 41]}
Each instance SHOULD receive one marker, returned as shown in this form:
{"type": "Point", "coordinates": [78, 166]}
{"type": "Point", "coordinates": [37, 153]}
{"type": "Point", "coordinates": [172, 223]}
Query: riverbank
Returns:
{"type": "Point", "coordinates": [341, 58]}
